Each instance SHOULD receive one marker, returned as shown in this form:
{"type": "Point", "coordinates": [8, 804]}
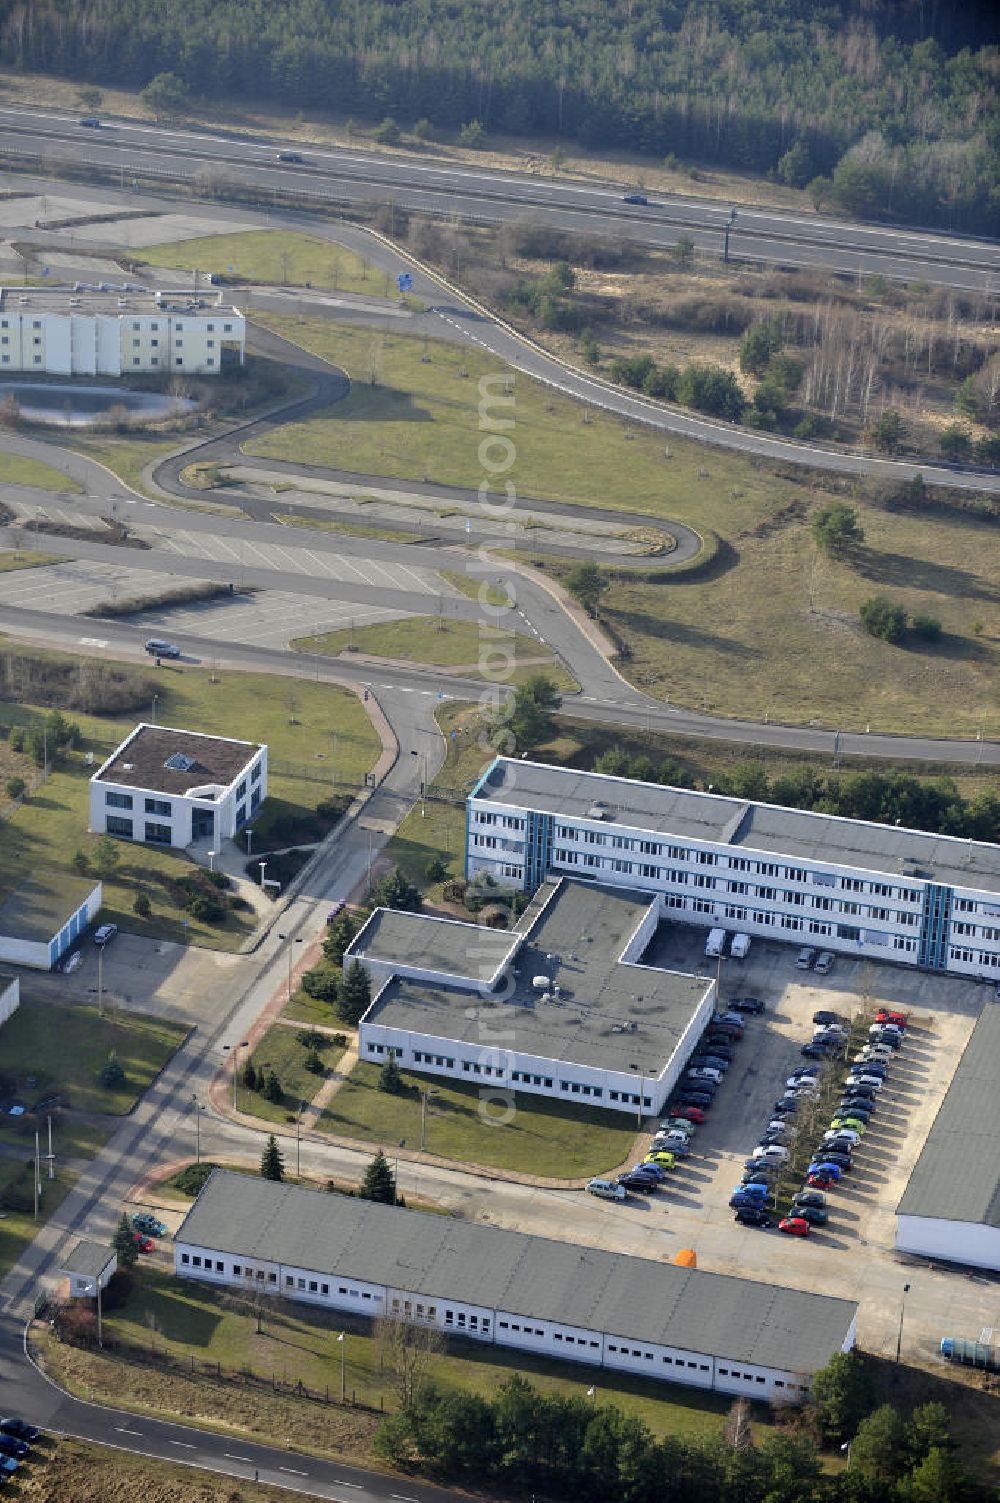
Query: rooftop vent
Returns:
{"type": "Point", "coordinates": [128, 766]}
{"type": "Point", "coordinates": [596, 811]}
{"type": "Point", "coordinates": [179, 762]}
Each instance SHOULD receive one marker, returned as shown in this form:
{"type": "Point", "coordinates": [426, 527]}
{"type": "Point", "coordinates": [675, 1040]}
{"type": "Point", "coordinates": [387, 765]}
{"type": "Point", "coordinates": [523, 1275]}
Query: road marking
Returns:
{"type": "Point", "coordinates": [122, 1431]}
{"type": "Point", "coordinates": [402, 1498]}
{"type": "Point", "coordinates": [230, 1456]}
{"type": "Point", "coordinates": [293, 1470]}
{"type": "Point", "coordinates": [185, 1445]}
{"type": "Point", "coordinates": [342, 1482]}
{"type": "Point", "coordinates": [92, 641]}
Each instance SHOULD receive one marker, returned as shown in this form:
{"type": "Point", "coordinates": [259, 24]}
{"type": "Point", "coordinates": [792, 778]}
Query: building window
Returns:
{"type": "Point", "coordinates": [158, 834]}
{"type": "Point", "coordinates": [179, 360]}
{"type": "Point", "coordinates": [227, 328]}
{"type": "Point", "coordinates": [136, 360]}
{"type": "Point", "coordinates": [185, 1258]}
{"type": "Point", "coordinates": [36, 341]}
{"type": "Point", "coordinates": [178, 344]}
{"type": "Point", "coordinates": [115, 825]}
{"type": "Point", "coordinates": [135, 343]}
{"type": "Point", "coordinates": [210, 344]}
{"type": "Point", "coordinates": [210, 361]}
{"type": "Point", "coordinates": [38, 360]}
{"type": "Point", "coordinates": [196, 1261]}
{"type": "Point", "coordinates": [118, 800]}
{"type": "Point", "coordinates": [36, 323]}
{"type": "Point", "coordinates": [157, 806]}
{"type": "Point", "coordinates": [237, 1270]}
{"type": "Point", "coordinates": [155, 343]}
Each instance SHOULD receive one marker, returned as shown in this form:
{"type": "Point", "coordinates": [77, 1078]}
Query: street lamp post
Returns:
{"type": "Point", "coordinates": [100, 982]}
{"type": "Point", "coordinates": [298, 1137]}
{"type": "Point", "coordinates": [640, 1071]}
{"type": "Point", "coordinates": [395, 1172]}
{"type": "Point", "coordinates": [198, 1109]}
{"type": "Point", "coordinates": [424, 1094]}
{"type": "Point", "coordinates": [262, 865]}
{"type": "Point", "coordinates": [291, 941]}
{"type": "Point", "coordinates": [342, 1338]}
{"type": "Point", "coordinates": [243, 1044]}
{"type": "Point", "coordinates": [899, 1333]}
{"type": "Point", "coordinates": [728, 231]}
{"type": "Point", "coordinates": [156, 699]}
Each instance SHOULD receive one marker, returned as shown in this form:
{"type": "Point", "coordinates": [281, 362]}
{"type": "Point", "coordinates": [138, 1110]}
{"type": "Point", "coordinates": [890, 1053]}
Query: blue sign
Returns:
{"type": "Point", "coordinates": [45, 271]}
{"type": "Point", "coordinates": [405, 281]}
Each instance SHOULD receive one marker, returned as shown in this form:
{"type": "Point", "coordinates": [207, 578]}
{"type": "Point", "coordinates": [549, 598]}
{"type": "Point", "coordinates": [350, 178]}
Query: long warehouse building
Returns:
{"type": "Point", "coordinates": [506, 1288]}
{"type": "Point", "coordinates": [950, 1208]}
{"type": "Point", "coordinates": [787, 874]}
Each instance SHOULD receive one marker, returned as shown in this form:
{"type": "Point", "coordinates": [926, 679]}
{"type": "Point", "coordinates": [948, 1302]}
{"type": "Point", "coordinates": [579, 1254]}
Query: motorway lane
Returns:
{"type": "Point", "coordinates": [352, 175]}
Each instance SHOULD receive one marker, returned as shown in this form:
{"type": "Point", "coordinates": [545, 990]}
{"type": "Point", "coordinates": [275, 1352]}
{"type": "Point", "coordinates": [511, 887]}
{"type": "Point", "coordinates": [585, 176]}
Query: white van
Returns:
{"type": "Point", "coordinates": [740, 947]}
{"type": "Point", "coordinates": [607, 1189]}
{"type": "Point", "coordinates": [715, 944]}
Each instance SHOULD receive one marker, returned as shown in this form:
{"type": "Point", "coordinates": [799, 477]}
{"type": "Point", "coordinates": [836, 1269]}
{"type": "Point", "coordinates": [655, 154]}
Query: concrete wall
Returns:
{"type": "Point", "coordinates": [952, 1241]}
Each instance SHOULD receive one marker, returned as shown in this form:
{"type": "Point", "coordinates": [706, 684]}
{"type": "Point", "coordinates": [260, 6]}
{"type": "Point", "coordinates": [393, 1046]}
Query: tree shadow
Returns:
{"type": "Point", "coordinates": [921, 574]}
{"type": "Point", "coordinates": [646, 624]}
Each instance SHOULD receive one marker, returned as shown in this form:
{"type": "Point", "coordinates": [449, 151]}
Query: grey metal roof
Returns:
{"type": "Point", "coordinates": [37, 909]}
{"type": "Point", "coordinates": [634, 1298]}
{"type": "Point", "coordinates": [434, 944]}
{"type": "Point", "coordinates": [87, 1258]}
{"type": "Point", "coordinates": [957, 1176]}
{"type": "Point", "coordinates": [769, 828]}
{"type": "Point", "coordinates": [606, 1015]}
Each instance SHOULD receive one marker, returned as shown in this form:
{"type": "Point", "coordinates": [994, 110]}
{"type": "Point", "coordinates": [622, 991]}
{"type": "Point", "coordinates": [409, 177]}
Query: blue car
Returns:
{"type": "Point", "coordinates": [655, 1171]}
{"type": "Point", "coordinates": [8, 1464]}
{"type": "Point", "coordinates": [822, 1166]}
{"type": "Point", "coordinates": [743, 1201]}
{"type": "Point", "coordinates": [760, 1191]}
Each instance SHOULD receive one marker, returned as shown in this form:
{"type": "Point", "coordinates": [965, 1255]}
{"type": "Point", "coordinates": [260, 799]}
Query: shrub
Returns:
{"type": "Point", "coordinates": [436, 870]}
{"type": "Point", "coordinates": [141, 905]}
{"type": "Point", "coordinates": [16, 738]}
{"type": "Point", "coordinates": [314, 1063]}
{"type": "Point", "coordinates": [14, 787]}
{"type": "Point", "coordinates": [321, 982]}
{"type": "Point", "coordinates": [881, 618]}
{"type": "Point", "coordinates": [191, 1179]}
{"type": "Point", "coordinates": [112, 1073]}
{"type": "Point", "coordinates": [389, 1078]}
{"type": "Point", "coordinates": [926, 628]}
{"type": "Point", "coordinates": [311, 1038]}
{"type": "Point", "coordinates": [207, 909]}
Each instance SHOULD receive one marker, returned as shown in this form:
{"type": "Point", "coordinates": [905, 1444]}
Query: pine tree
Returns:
{"type": "Point", "coordinates": [379, 1183]}
{"type": "Point", "coordinates": [250, 1077]}
{"type": "Point", "coordinates": [124, 1244]}
{"type": "Point", "coordinates": [272, 1088]}
{"type": "Point", "coordinates": [355, 993]}
{"type": "Point", "coordinates": [389, 1079]}
{"type": "Point", "coordinates": [338, 936]}
{"type": "Point", "coordinates": [272, 1165]}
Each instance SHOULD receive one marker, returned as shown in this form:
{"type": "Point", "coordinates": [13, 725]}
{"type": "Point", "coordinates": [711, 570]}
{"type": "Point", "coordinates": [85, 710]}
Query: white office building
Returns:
{"type": "Point", "coordinates": [950, 1209]}
{"type": "Point", "coordinates": [848, 885]}
{"type": "Point", "coordinates": [109, 331]}
{"type": "Point", "coordinates": [164, 786]}
{"type": "Point", "coordinates": [562, 1006]}
{"type": "Point", "coordinates": [505, 1288]}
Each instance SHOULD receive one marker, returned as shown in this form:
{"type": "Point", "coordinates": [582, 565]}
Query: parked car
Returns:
{"type": "Point", "coordinates": [655, 1171]}
{"type": "Point", "coordinates": [832, 1145]}
{"type": "Point", "coordinates": [701, 1099]}
{"type": "Point", "coordinates": [10, 1424]}
{"type": "Point", "coordinates": [746, 1004]}
{"type": "Point", "coordinates": [704, 1072]}
{"type": "Point", "coordinates": [824, 1016]}
{"type": "Point", "coordinates": [830, 1038]}
{"type": "Point", "coordinates": [865, 1066]}
{"type": "Point", "coordinates": [105, 934]}
{"type": "Point", "coordinates": [891, 1016]}
{"type": "Point", "coordinates": [891, 1036]}
{"type": "Point", "coordinates": [857, 1124]}
{"type": "Point", "coordinates": [757, 1189]}
{"type": "Point", "coordinates": [148, 1224]}
{"type": "Point", "coordinates": [805, 958]}
{"type": "Point", "coordinates": [772, 1151]}
{"type": "Point", "coordinates": [753, 1216]}
{"type": "Point", "coordinates": [842, 1135]}
{"type": "Point", "coordinates": [795, 1226]}
{"type": "Point", "coordinates": [814, 1198]}
{"type": "Point", "coordinates": [660, 1156]}
{"type": "Point", "coordinates": [787, 1105]}
{"type": "Point", "coordinates": [814, 1050]}
{"type": "Point", "coordinates": [679, 1147]}
{"type": "Point", "coordinates": [818, 1181]}
{"type": "Point", "coordinates": [71, 962]}
{"type": "Point", "coordinates": [863, 1081]}
{"type": "Point", "coordinates": [607, 1189]}
{"type": "Point", "coordinates": [765, 1177]}
{"type": "Point", "coordinates": [843, 1161]}
{"type": "Point", "coordinates": [678, 1124]}
{"type": "Point", "coordinates": [91, 122]}
{"type": "Point", "coordinates": [8, 1464]}
{"type": "Point", "coordinates": [815, 1215]}
{"type": "Point", "coordinates": [143, 1243]}
{"type": "Point", "coordinates": [635, 1180]}
{"type": "Point", "coordinates": [824, 962]}
{"type": "Point", "coordinates": [11, 1446]}
{"type": "Point", "coordinates": [825, 1167]}
{"type": "Point", "coordinates": [711, 1062]}
{"type": "Point", "coordinates": [741, 1201]}
{"type": "Point", "coordinates": [158, 648]}
{"type": "Point", "coordinates": [689, 1113]}
{"type": "Point", "coordinates": [634, 198]}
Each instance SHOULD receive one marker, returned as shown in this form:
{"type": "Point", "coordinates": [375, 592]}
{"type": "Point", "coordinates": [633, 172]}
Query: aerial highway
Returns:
{"type": "Point", "coordinates": [338, 175]}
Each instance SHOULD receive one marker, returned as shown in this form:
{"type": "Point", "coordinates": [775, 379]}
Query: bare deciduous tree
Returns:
{"type": "Point", "coordinates": [406, 1351]}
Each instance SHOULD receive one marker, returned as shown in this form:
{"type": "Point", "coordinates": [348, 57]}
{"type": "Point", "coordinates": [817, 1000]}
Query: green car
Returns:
{"type": "Point", "coordinates": [854, 1123]}
{"type": "Point", "coordinates": [662, 1157]}
{"type": "Point", "coordinates": [148, 1225]}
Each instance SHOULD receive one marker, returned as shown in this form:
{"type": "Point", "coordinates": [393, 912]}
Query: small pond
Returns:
{"type": "Point", "coordinates": [72, 406]}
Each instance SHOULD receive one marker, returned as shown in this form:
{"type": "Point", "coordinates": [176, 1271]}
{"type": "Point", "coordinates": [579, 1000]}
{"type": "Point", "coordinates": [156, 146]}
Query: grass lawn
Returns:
{"type": "Point", "coordinates": [50, 825]}
{"type": "Point", "coordinates": [311, 1010]}
{"type": "Point", "coordinates": [744, 637]}
{"type": "Point", "coordinates": [280, 1051]}
{"type": "Point", "coordinates": [17, 470]}
{"type": "Point", "coordinates": [63, 1048]}
{"type": "Point", "coordinates": [25, 559]}
{"type": "Point", "coordinates": [548, 1138]}
{"type": "Point", "coordinates": [18, 1228]}
{"type": "Point", "coordinates": [351, 529]}
{"type": "Point", "coordinates": [190, 1320]}
{"type": "Point", "coordinates": [434, 640]}
{"type": "Point", "coordinates": [279, 256]}
{"type": "Point", "coordinates": [127, 457]}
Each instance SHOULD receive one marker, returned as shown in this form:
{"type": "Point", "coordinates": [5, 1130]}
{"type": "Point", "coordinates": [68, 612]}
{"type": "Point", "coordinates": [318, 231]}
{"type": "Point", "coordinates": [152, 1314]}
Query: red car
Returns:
{"type": "Point", "coordinates": [820, 1182]}
{"type": "Point", "coordinates": [886, 1015]}
{"type": "Point", "coordinates": [143, 1243]}
{"type": "Point", "coordinates": [795, 1226]}
{"type": "Point", "coordinates": [689, 1113]}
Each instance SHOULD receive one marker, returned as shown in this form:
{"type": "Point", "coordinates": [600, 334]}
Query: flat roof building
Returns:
{"type": "Point", "coordinates": [89, 1266]}
{"type": "Point", "coordinates": [561, 1006]}
{"type": "Point", "coordinates": [43, 917]}
{"type": "Point", "coordinates": [951, 1205]}
{"type": "Point", "coordinates": [165, 786]}
{"type": "Point", "coordinates": [850, 885]}
{"type": "Point", "coordinates": [108, 330]}
{"type": "Point", "coordinates": [506, 1288]}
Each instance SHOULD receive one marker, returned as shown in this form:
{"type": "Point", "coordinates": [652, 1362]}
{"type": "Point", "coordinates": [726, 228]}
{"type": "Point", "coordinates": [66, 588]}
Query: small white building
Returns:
{"type": "Point", "coordinates": [117, 331]}
{"type": "Point", "coordinates": [849, 885]}
{"type": "Point", "coordinates": [506, 1288]}
{"type": "Point", "coordinates": [164, 786]}
{"type": "Point", "coordinates": [43, 917]}
{"type": "Point", "coordinates": [562, 1006]}
{"type": "Point", "coordinates": [950, 1209]}
{"type": "Point", "coordinates": [89, 1266]}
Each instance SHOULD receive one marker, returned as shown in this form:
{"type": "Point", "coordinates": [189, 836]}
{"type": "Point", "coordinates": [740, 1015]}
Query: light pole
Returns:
{"type": "Point", "coordinates": [424, 1095]}
{"type": "Point", "coordinates": [342, 1338]}
{"type": "Point", "coordinates": [211, 860]}
{"type": "Point", "coordinates": [262, 865]}
{"type": "Point", "coordinates": [298, 1136]}
{"type": "Point", "coordinates": [395, 1172]}
{"type": "Point", "coordinates": [642, 1086]}
{"type": "Point", "coordinates": [333, 763]}
{"type": "Point", "coordinates": [156, 699]}
{"type": "Point", "coordinates": [198, 1109]}
{"type": "Point", "coordinates": [728, 231]}
{"type": "Point", "coordinates": [291, 942]}
{"type": "Point", "coordinates": [100, 982]}
{"type": "Point", "coordinates": [902, 1311]}
{"type": "Point", "coordinates": [249, 835]}
{"type": "Point", "coordinates": [243, 1044]}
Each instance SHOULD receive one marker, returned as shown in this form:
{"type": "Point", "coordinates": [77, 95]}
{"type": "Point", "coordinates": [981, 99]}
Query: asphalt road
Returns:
{"type": "Point", "coordinates": [340, 175]}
